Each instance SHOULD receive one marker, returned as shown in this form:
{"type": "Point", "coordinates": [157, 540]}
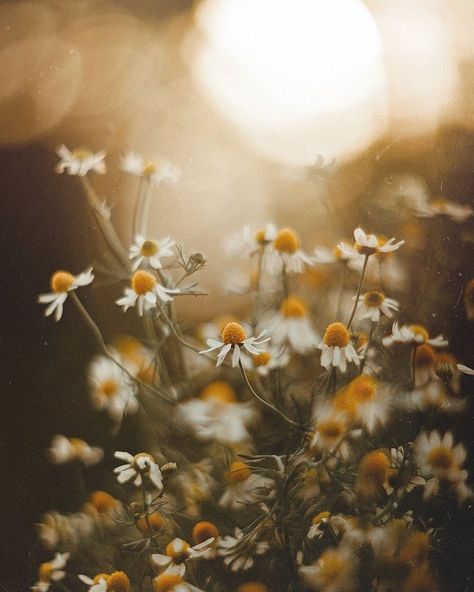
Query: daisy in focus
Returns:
{"type": "Point", "coordinates": [414, 334]}
{"type": "Point", "coordinates": [63, 282]}
{"type": "Point", "coordinates": [178, 552]}
{"type": "Point", "coordinates": [372, 305]}
{"type": "Point", "coordinates": [247, 242]}
{"type": "Point", "coordinates": [235, 337]}
{"type": "Point", "coordinates": [287, 253]}
{"type": "Point", "coordinates": [138, 467]}
{"type": "Point", "coordinates": [145, 293]}
{"type": "Point", "coordinates": [337, 349]}
{"type": "Point", "coordinates": [150, 252]}
{"type": "Point", "coordinates": [136, 165]}
{"type": "Point", "coordinates": [50, 572]}
{"type": "Point", "coordinates": [368, 244]}
{"type": "Point", "coordinates": [80, 161]}
{"type": "Point", "coordinates": [64, 450]}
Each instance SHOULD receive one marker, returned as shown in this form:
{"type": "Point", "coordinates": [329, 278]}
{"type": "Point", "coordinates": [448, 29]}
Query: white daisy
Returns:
{"type": "Point", "coordinates": [136, 165]}
{"type": "Point", "coordinates": [274, 357]}
{"type": "Point", "coordinates": [334, 571]}
{"type": "Point", "coordinates": [97, 584]}
{"type": "Point", "coordinates": [291, 326]}
{"type": "Point", "coordinates": [318, 525]}
{"type": "Point", "coordinates": [244, 487]}
{"type": "Point", "coordinates": [325, 256]}
{"type": "Point", "coordinates": [457, 212]}
{"type": "Point", "coordinates": [166, 582]}
{"type": "Point", "coordinates": [64, 450]}
{"type": "Point", "coordinates": [239, 552]}
{"type": "Point", "coordinates": [50, 572]}
{"type": "Point", "coordinates": [401, 474]}
{"type": "Point", "coordinates": [65, 531]}
{"type": "Point", "coordinates": [177, 553]}
{"type": "Point", "coordinates": [248, 242]}
{"type": "Point", "coordinates": [286, 253]}
{"type": "Point", "coordinates": [373, 304]}
{"type": "Point", "coordinates": [80, 161]}
{"type": "Point", "coordinates": [337, 349]}
{"type": "Point", "coordinates": [415, 334]}
{"type": "Point", "coordinates": [234, 336]}
{"type": "Point", "coordinates": [63, 282]}
{"type": "Point", "coordinates": [137, 467]}
{"type": "Point", "coordinates": [150, 252]}
{"type": "Point", "coordinates": [368, 244]}
{"type": "Point", "coordinates": [111, 388]}
{"type": "Point", "coordinates": [145, 293]}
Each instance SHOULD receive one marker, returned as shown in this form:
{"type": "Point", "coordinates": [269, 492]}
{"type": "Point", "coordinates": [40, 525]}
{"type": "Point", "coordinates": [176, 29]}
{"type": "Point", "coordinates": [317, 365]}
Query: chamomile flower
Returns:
{"type": "Point", "coordinates": [80, 161]}
{"type": "Point", "coordinates": [96, 584]}
{"type": "Point", "coordinates": [318, 524]}
{"type": "Point", "coordinates": [110, 388]}
{"type": "Point", "coordinates": [414, 334]}
{"type": "Point", "coordinates": [330, 427]}
{"type": "Point", "coordinates": [64, 530]}
{"type": "Point", "coordinates": [291, 326]}
{"type": "Point", "coordinates": [235, 337]}
{"type": "Point", "coordinates": [372, 305]}
{"type": "Point", "coordinates": [145, 293]}
{"type": "Point", "coordinates": [167, 582]}
{"type": "Point", "coordinates": [248, 242]}
{"type": "Point", "coordinates": [334, 571]}
{"type": "Point", "coordinates": [63, 282]}
{"type": "Point", "coordinates": [443, 207]}
{"type": "Point", "coordinates": [370, 402]}
{"type": "Point", "coordinates": [150, 252]}
{"type": "Point", "coordinates": [136, 165]}
{"type": "Point", "coordinates": [138, 467]}
{"type": "Point", "coordinates": [243, 486]}
{"type": "Point", "coordinates": [274, 357]}
{"type": "Point", "coordinates": [64, 450]}
{"type": "Point", "coordinates": [368, 244]}
{"type": "Point", "coordinates": [326, 256]}
{"type": "Point", "coordinates": [50, 572]}
{"type": "Point", "coordinates": [287, 253]}
{"type": "Point", "coordinates": [239, 551]}
{"type": "Point", "coordinates": [401, 474]}
{"type": "Point", "coordinates": [337, 349]}
{"type": "Point", "coordinates": [447, 368]}
{"type": "Point", "coordinates": [178, 552]}
{"type": "Point", "coordinates": [373, 473]}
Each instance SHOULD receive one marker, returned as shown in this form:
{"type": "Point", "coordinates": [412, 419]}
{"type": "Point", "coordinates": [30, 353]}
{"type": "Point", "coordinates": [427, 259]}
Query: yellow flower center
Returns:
{"type": "Point", "coordinates": [109, 387]}
{"type": "Point", "coordinates": [424, 356]}
{"type": "Point", "coordinates": [261, 359]}
{"type": "Point", "coordinates": [331, 565]}
{"type": "Point", "coordinates": [118, 582]}
{"type": "Point", "coordinates": [101, 576]}
{"type": "Point", "coordinates": [142, 462]}
{"type": "Point", "coordinates": [345, 403]}
{"type": "Point", "coordinates": [78, 445]}
{"type": "Point", "coordinates": [441, 457]}
{"type": "Point", "coordinates": [233, 333]}
{"type": "Point", "coordinates": [260, 236]}
{"type": "Point", "coordinates": [149, 168]}
{"type": "Point", "coordinates": [362, 340]}
{"type": "Point", "coordinates": [178, 550]}
{"type": "Point", "coordinates": [103, 501]}
{"type": "Point", "coordinates": [204, 530]}
{"type": "Point", "coordinates": [336, 335]}
{"type": "Point", "coordinates": [320, 517]}
{"type": "Point", "coordinates": [373, 299]}
{"type": "Point", "coordinates": [149, 248]}
{"type": "Point", "coordinates": [421, 334]}
{"type": "Point", "coordinates": [218, 391]}
{"type": "Point", "coordinates": [166, 582]}
{"type": "Point", "coordinates": [61, 281]}
{"type": "Point", "coordinates": [416, 549]}
{"type": "Point", "coordinates": [154, 522]}
{"type": "Point", "coordinates": [363, 388]}
{"type": "Point", "coordinates": [287, 241]}
{"type": "Point", "coordinates": [445, 365]}
{"type": "Point", "coordinates": [238, 472]}
{"type": "Point", "coordinates": [143, 282]}
{"type": "Point", "coordinates": [330, 429]}
{"type": "Point", "coordinates": [45, 571]}
{"type": "Point", "coordinates": [81, 153]}
{"type": "Point", "coordinates": [374, 467]}
{"type": "Point", "coordinates": [252, 587]}
{"type": "Point", "coordinates": [293, 307]}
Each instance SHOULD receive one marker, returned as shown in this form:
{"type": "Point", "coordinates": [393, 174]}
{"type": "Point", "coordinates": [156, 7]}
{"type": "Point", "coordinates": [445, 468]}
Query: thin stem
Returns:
{"type": "Point", "coordinates": [261, 255]}
{"type": "Point", "coordinates": [413, 367]}
{"type": "Point", "coordinates": [138, 206]}
{"type": "Point", "coordinates": [266, 403]}
{"type": "Point", "coordinates": [284, 279]}
{"type": "Point", "coordinates": [369, 341]}
{"type": "Point", "coordinates": [143, 216]}
{"type": "Point", "coordinates": [359, 287]}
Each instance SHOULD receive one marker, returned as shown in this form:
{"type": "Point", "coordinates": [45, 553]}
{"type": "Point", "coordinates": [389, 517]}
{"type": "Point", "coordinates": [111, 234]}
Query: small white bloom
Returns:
{"type": "Point", "coordinates": [368, 244]}
{"type": "Point", "coordinates": [64, 450]}
{"type": "Point", "coordinates": [415, 334]}
{"type": "Point", "coordinates": [150, 252]}
{"type": "Point", "coordinates": [137, 467]}
{"type": "Point", "coordinates": [374, 304]}
{"type": "Point", "coordinates": [234, 336]}
{"type": "Point", "coordinates": [98, 584]}
{"type": "Point", "coordinates": [244, 486]}
{"type": "Point", "coordinates": [287, 253]}
{"type": "Point", "coordinates": [337, 349]}
{"type": "Point", "coordinates": [442, 207]}
{"type": "Point", "coordinates": [65, 531]}
{"type": "Point", "coordinates": [239, 552]}
{"type": "Point", "coordinates": [334, 571]}
{"type": "Point", "coordinates": [50, 572]}
{"type": "Point", "coordinates": [274, 357]}
{"type": "Point", "coordinates": [145, 293]}
{"type": "Point", "coordinates": [80, 161]}
{"type": "Point", "coordinates": [136, 165]}
{"type": "Point", "coordinates": [177, 553]}
{"type": "Point", "coordinates": [63, 282]}
{"type": "Point", "coordinates": [247, 242]}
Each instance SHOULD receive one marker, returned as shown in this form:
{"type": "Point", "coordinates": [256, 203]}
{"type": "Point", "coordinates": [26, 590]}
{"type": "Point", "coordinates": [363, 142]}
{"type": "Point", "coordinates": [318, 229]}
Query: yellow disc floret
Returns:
{"type": "Point", "coordinates": [103, 501]}
{"type": "Point", "coordinates": [238, 471]}
{"type": "Point", "coordinates": [204, 530]}
{"type": "Point", "coordinates": [234, 334]}
{"type": "Point", "coordinates": [166, 582]}
{"type": "Point", "coordinates": [321, 517]}
{"type": "Point", "coordinates": [420, 333]}
{"type": "Point", "coordinates": [151, 523]}
{"type": "Point", "coordinates": [287, 241]}
{"type": "Point", "coordinates": [260, 236]}
{"type": "Point", "coordinates": [336, 335]}
{"type": "Point", "coordinates": [218, 392]}
{"type": "Point", "coordinates": [362, 388]}
{"type": "Point", "coordinates": [149, 168]}
{"type": "Point", "coordinates": [293, 307]}
{"type": "Point", "coordinates": [142, 462]}
{"type": "Point", "coordinates": [61, 281]}
{"type": "Point", "coordinates": [330, 429]}
{"type": "Point", "coordinates": [374, 467]}
{"type": "Point", "coordinates": [118, 582]}
{"type": "Point", "coordinates": [45, 572]}
{"type": "Point", "coordinates": [149, 248]}
{"type": "Point", "coordinates": [262, 359]}
{"type": "Point", "coordinates": [81, 153]}
{"type": "Point", "coordinates": [373, 299]}
{"type": "Point", "coordinates": [109, 387]}
{"type": "Point", "coordinates": [101, 576]}
{"type": "Point", "coordinates": [178, 550]}
{"type": "Point", "coordinates": [440, 458]}
{"type": "Point", "coordinates": [143, 282]}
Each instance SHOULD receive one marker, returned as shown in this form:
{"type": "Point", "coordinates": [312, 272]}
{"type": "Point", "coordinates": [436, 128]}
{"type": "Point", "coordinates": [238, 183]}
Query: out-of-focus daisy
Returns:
{"type": "Point", "coordinates": [330, 427]}
{"type": "Point", "coordinates": [326, 256]}
{"type": "Point", "coordinates": [336, 348]}
{"type": "Point", "coordinates": [139, 360]}
{"type": "Point", "coordinates": [137, 467]}
{"type": "Point", "coordinates": [449, 370]}
{"type": "Point", "coordinates": [111, 388]}
{"type": "Point", "coordinates": [274, 357]}
{"type": "Point", "coordinates": [334, 571]}
{"type": "Point", "coordinates": [150, 252]}
{"type": "Point", "coordinates": [248, 242]}
{"type": "Point", "coordinates": [96, 584]}
{"type": "Point", "coordinates": [424, 361]}
{"type": "Point", "coordinates": [415, 334]}
{"type": "Point", "coordinates": [80, 161]}
{"type": "Point", "coordinates": [373, 304]}
{"type": "Point", "coordinates": [368, 244]}
{"type": "Point", "coordinates": [177, 553]}
{"type": "Point", "coordinates": [319, 525]}
{"type": "Point", "coordinates": [64, 450]}
{"type": "Point", "coordinates": [373, 473]}
{"type": "Point", "coordinates": [291, 326]}
{"type": "Point", "coordinates": [243, 486]}
{"type": "Point", "coordinates": [235, 337]}
{"type": "Point", "coordinates": [287, 253]}
{"type": "Point", "coordinates": [167, 582]}
{"type": "Point", "coordinates": [50, 572]}
{"type": "Point", "coordinates": [440, 206]}
{"type": "Point", "coordinates": [239, 551]}
{"type": "Point", "coordinates": [64, 531]}
{"type": "Point", "coordinates": [63, 282]}
{"type": "Point", "coordinates": [195, 484]}
{"type": "Point", "coordinates": [401, 474]}
{"type": "Point", "coordinates": [145, 293]}
{"type": "Point", "coordinates": [369, 402]}
{"type": "Point", "coordinates": [103, 507]}
{"type": "Point", "coordinates": [136, 165]}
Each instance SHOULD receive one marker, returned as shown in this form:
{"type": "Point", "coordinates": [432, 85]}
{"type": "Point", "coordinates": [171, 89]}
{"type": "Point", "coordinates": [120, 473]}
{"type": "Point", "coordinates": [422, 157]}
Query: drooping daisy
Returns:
{"type": "Point", "coordinates": [239, 551]}
{"type": "Point", "coordinates": [415, 334]}
{"type": "Point", "coordinates": [111, 388]}
{"type": "Point", "coordinates": [373, 304]}
{"type": "Point", "coordinates": [150, 252]}
{"type": "Point", "coordinates": [287, 253]}
{"type": "Point", "coordinates": [447, 368]}
{"type": "Point", "coordinates": [96, 584]}
{"type": "Point", "coordinates": [177, 553]}
{"type": "Point", "coordinates": [247, 242]}
{"type": "Point", "coordinates": [63, 282]}
{"type": "Point", "coordinates": [234, 336]}
{"type": "Point", "coordinates": [336, 348]}
{"type": "Point", "coordinates": [80, 161]}
{"type": "Point", "coordinates": [138, 467]}
{"type": "Point", "coordinates": [291, 326]}
{"type": "Point", "coordinates": [136, 165]}
{"type": "Point", "coordinates": [145, 293]}
{"type": "Point", "coordinates": [243, 486]}
{"type": "Point", "coordinates": [50, 572]}
{"type": "Point", "coordinates": [368, 244]}
{"type": "Point", "coordinates": [64, 450]}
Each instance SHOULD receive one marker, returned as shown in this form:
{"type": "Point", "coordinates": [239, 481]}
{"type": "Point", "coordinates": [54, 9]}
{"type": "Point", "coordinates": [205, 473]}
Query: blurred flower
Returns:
{"type": "Point", "coordinates": [415, 334]}
{"type": "Point", "coordinates": [50, 572]}
{"type": "Point", "coordinates": [373, 304]}
{"type": "Point", "coordinates": [96, 584]}
{"type": "Point", "coordinates": [234, 336]}
{"type": "Point", "coordinates": [239, 551]}
{"type": "Point", "coordinates": [317, 525]}
{"type": "Point", "coordinates": [337, 348]}
{"type": "Point", "coordinates": [330, 428]}
{"type": "Point", "coordinates": [368, 244]}
{"type": "Point", "coordinates": [247, 242]}
{"type": "Point", "coordinates": [145, 293]}
{"type": "Point", "coordinates": [136, 467]}
{"type": "Point", "coordinates": [274, 357]}
{"type": "Point", "coordinates": [65, 531]}
{"type": "Point", "coordinates": [243, 486]}
{"type": "Point", "coordinates": [63, 282]}
{"type": "Point", "coordinates": [333, 571]}
{"type": "Point", "coordinates": [80, 161]}
{"type": "Point", "coordinates": [457, 212]}
{"type": "Point", "coordinates": [167, 582]}
{"type": "Point", "coordinates": [287, 254]}
{"type": "Point", "coordinates": [135, 164]}
{"type": "Point", "coordinates": [150, 252]}
{"type": "Point", "coordinates": [177, 553]}
{"type": "Point", "coordinates": [64, 450]}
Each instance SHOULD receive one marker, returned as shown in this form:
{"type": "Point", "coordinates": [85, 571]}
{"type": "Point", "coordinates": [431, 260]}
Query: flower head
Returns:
{"type": "Point", "coordinates": [63, 282]}
{"type": "Point", "coordinates": [96, 584]}
{"type": "Point", "coordinates": [80, 161]}
{"type": "Point", "coordinates": [373, 304]}
{"type": "Point", "coordinates": [64, 450]}
{"type": "Point", "coordinates": [368, 244]}
{"type": "Point", "coordinates": [287, 253]}
{"type": "Point", "coordinates": [414, 334]}
{"type": "Point", "coordinates": [337, 348]}
{"type": "Point", "coordinates": [248, 241]}
{"type": "Point", "coordinates": [137, 467]}
{"type": "Point", "coordinates": [150, 252]}
{"type": "Point", "coordinates": [178, 552]}
{"type": "Point", "coordinates": [235, 337]}
{"type": "Point", "coordinates": [145, 292]}
{"type": "Point", "coordinates": [50, 572]}
{"type": "Point", "coordinates": [136, 165]}
{"type": "Point", "coordinates": [239, 551]}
